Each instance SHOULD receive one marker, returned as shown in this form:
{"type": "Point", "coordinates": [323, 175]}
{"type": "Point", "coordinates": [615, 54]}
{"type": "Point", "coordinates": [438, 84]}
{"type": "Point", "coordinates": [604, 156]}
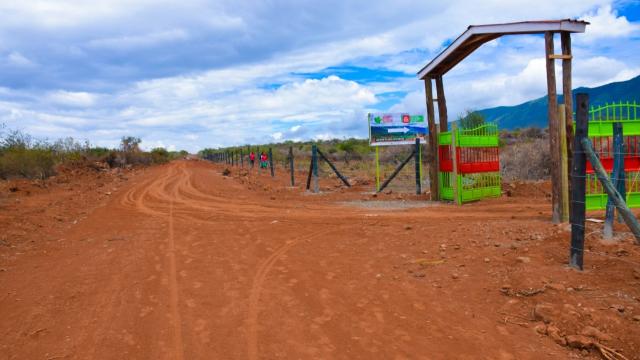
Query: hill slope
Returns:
{"type": "Point", "coordinates": [534, 112]}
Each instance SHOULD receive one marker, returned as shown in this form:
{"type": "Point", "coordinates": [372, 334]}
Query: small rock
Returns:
{"type": "Point", "coordinates": [544, 312]}
{"type": "Point", "coordinates": [419, 275]}
{"type": "Point", "coordinates": [554, 334]}
{"type": "Point", "coordinates": [579, 341]}
{"type": "Point", "coordinates": [636, 274]}
{"type": "Point", "coordinates": [622, 252]}
{"type": "Point", "coordinates": [408, 227]}
{"type": "Point", "coordinates": [619, 308]}
{"type": "Point", "coordinates": [456, 247]}
{"type": "Point", "coordinates": [541, 329]}
{"type": "Point", "coordinates": [455, 276]}
{"type": "Point", "coordinates": [378, 276]}
{"type": "Point", "coordinates": [374, 195]}
{"type": "Point", "coordinates": [443, 247]}
{"type": "Point", "coordinates": [595, 333]}
{"type": "Point", "coordinates": [636, 318]}
{"type": "Point", "coordinates": [523, 259]}
{"type": "Point", "coordinates": [487, 260]}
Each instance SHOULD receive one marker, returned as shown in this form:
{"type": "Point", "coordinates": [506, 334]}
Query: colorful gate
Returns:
{"type": "Point", "coordinates": [476, 172]}
{"type": "Point", "coordinates": [601, 120]}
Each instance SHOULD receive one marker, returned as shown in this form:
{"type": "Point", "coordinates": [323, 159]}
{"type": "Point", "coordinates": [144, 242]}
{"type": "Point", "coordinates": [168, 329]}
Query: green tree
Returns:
{"type": "Point", "coordinates": [471, 119]}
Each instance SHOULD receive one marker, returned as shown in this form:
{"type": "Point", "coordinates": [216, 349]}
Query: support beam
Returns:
{"type": "Point", "coordinates": [565, 39]}
{"type": "Point", "coordinates": [564, 161]}
{"type": "Point", "coordinates": [442, 105]}
{"type": "Point", "coordinates": [554, 138]}
{"type": "Point", "coordinates": [432, 159]}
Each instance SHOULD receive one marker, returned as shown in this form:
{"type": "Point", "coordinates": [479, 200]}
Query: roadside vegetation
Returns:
{"type": "Point", "coordinates": [524, 153]}
{"type": "Point", "coordinates": [23, 156]}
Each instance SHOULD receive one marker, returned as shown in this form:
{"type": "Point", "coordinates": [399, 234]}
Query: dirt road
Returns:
{"type": "Point", "coordinates": [184, 263]}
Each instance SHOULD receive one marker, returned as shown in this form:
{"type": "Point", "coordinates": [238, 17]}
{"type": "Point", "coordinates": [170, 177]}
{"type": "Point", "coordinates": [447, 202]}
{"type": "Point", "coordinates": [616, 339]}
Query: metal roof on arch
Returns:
{"type": "Point", "coordinates": [476, 35]}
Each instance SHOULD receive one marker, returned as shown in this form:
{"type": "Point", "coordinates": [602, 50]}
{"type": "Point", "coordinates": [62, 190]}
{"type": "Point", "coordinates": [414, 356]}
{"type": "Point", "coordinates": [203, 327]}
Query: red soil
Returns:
{"type": "Point", "coordinates": [178, 261]}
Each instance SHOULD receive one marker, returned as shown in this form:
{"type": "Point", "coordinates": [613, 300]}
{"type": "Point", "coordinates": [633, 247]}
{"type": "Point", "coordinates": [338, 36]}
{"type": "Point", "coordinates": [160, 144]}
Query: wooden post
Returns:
{"type": "Point", "coordinates": [564, 161]}
{"type": "Point", "coordinates": [241, 159]}
{"type": "Point", "coordinates": [442, 105]}
{"type": "Point", "coordinates": [314, 166]}
{"type": "Point", "coordinates": [417, 161]}
{"type": "Point", "coordinates": [617, 177]}
{"type": "Point", "coordinates": [433, 142]}
{"type": "Point", "coordinates": [454, 173]}
{"type": "Point", "coordinates": [293, 183]}
{"type": "Point", "coordinates": [565, 39]}
{"type": "Point", "coordinates": [578, 183]}
{"type": "Point", "coordinates": [554, 144]}
{"type": "Point", "coordinates": [271, 162]}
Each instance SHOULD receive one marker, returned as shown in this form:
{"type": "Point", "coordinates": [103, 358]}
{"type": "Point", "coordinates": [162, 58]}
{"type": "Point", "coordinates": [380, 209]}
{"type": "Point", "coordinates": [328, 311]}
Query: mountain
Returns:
{"type": "Point", "coordinates": [534, 112]}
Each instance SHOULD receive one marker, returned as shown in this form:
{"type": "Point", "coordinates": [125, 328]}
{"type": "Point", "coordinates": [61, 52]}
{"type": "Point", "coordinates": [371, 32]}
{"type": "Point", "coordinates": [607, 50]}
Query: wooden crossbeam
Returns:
{"type": "Point", "coordinates": [560, 57]}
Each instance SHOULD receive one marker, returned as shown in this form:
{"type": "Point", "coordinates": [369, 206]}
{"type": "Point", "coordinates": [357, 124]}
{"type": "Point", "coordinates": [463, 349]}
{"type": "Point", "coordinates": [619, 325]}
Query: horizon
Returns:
{"type": "Point", "coordinates": [181, 75]}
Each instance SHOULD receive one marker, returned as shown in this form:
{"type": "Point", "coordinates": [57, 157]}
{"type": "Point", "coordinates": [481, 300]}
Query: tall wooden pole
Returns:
{"type": "Point", "coordinates": [565, 38]}
{"type": "Point", "coordinates": [564, 161]}
{"type": "Point", "coordinates": [565, 41]}
{"type": "Point", "coordinates": [433, 142]}
{"type": "Point", "coordinates": [442, 105]}
{"type": "Point", "coordinates": [554, 143]}
{"type": "Point", "coordinates": [578, 183]}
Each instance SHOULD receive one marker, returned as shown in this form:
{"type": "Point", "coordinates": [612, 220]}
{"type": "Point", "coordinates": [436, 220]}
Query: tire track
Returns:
{"type": "Point", "coordinates": [256, 290]}
{"type": "Point", "coordinates": [173, 290]}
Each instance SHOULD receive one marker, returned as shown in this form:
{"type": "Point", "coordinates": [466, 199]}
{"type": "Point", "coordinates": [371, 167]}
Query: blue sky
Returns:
{"type": "Point", "coordinates": [191, 74]}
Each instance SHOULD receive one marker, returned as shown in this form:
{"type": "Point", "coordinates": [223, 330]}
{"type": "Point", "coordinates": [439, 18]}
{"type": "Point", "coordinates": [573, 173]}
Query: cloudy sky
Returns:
{"type": "Point", "coordinates": [188, 74]}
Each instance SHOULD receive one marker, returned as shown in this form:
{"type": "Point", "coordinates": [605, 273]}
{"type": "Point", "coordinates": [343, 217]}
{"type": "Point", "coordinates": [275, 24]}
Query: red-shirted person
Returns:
{"type": "Point", "coordinates": [263, 160]}
{"type": "Point", "coordinates": [252, 158]}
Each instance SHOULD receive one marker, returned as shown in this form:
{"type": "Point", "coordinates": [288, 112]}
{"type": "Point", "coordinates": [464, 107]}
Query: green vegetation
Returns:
{"type": "Point", "coordinates": [471, 120]}
{"type": "Point", "coordinates": [22, 156]}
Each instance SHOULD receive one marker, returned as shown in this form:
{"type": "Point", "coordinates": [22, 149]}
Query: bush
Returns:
{"type": "Point", "coordinates": [526, 160]}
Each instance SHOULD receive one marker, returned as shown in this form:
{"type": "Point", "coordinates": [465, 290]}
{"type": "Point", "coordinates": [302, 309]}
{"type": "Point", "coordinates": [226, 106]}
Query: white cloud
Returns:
{"type": "Point", "coordinates": [605, 23]}
{"type": "Point", "coordinates": [239, 80]}
{"type": "Point", "coordinates": [70, 98]}
{"type": "Point", "coordinates": [17, 59]}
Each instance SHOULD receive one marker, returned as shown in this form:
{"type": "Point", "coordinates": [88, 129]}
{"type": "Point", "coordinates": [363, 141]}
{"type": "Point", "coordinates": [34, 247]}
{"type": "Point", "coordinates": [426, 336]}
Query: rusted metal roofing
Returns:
{"type": "Point", "coordinates": [476, 35]}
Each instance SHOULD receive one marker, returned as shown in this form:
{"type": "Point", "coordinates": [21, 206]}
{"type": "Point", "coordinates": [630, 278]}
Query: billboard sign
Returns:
{"type": "Point", "coordinates": [396, 129]}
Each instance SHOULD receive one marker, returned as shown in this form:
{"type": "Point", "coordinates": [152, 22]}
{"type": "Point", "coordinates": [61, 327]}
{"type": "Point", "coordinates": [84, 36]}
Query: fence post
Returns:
{"type": "Point", "coordinates": [564, 165]}
{"type": "Point", "coordinates": [417, 161]}
{"type": "Point", "coordinates": [241, 159]}
{"type": "Point", "coordinates": [454, 157]}
{"type": "Point", "coordinates": [617, 177]}
{"type": "Point", "coordinates": [578, 183]}
{"type": "Point", "coordinates": [291, 165]}
{"type": "Point", "coordinates": [377, 169]}
{"type": "Point", "coordinates": [314, 167]}
{"type": "Point", "coordinates": [271, 162]}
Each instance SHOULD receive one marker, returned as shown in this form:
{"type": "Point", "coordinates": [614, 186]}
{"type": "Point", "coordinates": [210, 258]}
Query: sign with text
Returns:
{"type": "Point", "coordinates": [396, 129]}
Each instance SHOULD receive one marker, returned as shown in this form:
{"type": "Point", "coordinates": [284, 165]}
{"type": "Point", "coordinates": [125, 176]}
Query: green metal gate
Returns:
{"type": "Point", "coordinates": [476, 172]}
{"type": "Point", "coordinates": [601, 120]}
